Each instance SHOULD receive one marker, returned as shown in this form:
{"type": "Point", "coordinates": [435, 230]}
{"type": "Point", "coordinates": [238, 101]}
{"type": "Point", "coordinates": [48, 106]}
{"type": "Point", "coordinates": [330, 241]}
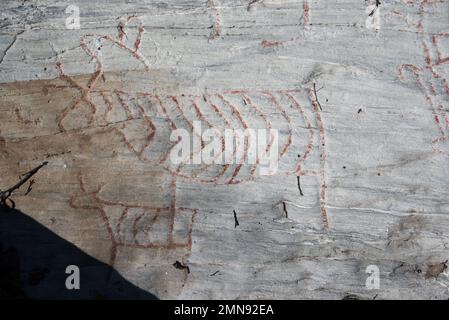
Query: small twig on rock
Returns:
{"type": "Point", "coordinates": [5, 195]}
{"type": "Point", "coordinates": [299, 186]}
{"type": "Point", "coordinates": [251, 2]}
{"type": "Point", "coordinates": [378, 3]}
{"type": "Point", "coordinates": [236, 220]}
{"type": "Point", "coordinates": [316, 97]}
{"type": "Point", "coordinates": [30, 187]}
{"type": "Point", "coordinates": [285, 209]}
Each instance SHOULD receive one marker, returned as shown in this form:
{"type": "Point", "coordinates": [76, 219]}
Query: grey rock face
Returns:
{"type": "Point", "coordinates": [358, 93]}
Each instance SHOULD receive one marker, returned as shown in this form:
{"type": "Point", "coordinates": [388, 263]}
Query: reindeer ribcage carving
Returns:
{"type": "Point", "coordinates": [145, 122]}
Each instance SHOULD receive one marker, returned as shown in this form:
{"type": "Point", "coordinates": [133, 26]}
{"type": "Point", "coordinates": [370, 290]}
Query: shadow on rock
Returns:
{"type": "Point", "coordinates": [33, 262]}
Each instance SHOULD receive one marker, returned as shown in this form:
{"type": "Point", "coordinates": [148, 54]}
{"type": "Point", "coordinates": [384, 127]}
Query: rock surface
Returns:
{"type": "Point", "coordinates": [357, 91]}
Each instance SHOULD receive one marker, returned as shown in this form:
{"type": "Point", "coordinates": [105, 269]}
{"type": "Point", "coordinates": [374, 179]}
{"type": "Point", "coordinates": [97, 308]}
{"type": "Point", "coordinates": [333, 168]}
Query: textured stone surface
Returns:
{"type": "Point", "coordinates": [99, 104]}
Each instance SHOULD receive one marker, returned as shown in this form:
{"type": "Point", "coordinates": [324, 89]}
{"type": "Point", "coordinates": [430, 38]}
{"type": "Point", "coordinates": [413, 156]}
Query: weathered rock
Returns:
{"type": "Point", "coordinates": [359, 95]}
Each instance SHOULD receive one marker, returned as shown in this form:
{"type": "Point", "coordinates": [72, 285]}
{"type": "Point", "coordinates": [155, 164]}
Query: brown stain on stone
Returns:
{"type": "Point", "coordinates": [405, 233]}
{"type": "Point", "coordinates": [434, 270]}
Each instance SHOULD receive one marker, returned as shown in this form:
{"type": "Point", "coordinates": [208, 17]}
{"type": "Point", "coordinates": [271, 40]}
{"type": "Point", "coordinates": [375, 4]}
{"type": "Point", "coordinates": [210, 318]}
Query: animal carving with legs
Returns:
{"type": "Point", "coordinates": [432, 76]}
{"type": "Point", "coordinates": [144, 121]}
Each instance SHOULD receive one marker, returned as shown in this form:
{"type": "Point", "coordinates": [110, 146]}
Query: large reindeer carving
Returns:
{"type": "Point", "coordinates": [295, 113]}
